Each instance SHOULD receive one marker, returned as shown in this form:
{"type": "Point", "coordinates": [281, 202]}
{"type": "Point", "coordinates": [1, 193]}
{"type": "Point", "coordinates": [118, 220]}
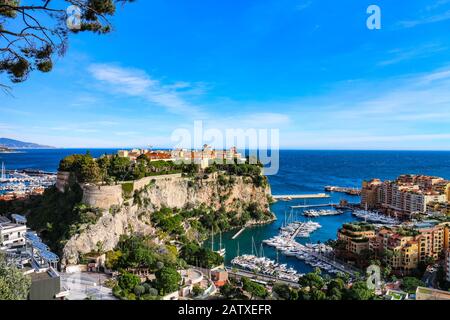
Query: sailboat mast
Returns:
{"type": "Point", "coordinates": [212, 238]}
{"type": "Point", "coordinates": [253, 253]}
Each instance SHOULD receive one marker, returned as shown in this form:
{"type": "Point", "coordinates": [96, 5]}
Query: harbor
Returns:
{"type": "Point", "coordinates": [315, 255]}
{"type": "Point", "coordinates": [375, 217]}
{"type": "Point", "coordinates": [265, 266]}
{"type": "Point", "coordinates": [293, 243]}
{"type": "Point", "coordinates": [319, 213]}
{"type": "Point", "coordinates": [300, 228]}
{"type": "Point", "coordinates": [21, 183]}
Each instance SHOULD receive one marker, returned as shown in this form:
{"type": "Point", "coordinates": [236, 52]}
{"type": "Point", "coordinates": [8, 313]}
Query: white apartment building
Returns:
{"type": "Point", "coordinates": [407, 198]}
{"type": "Point", "coordinates": [11, 234]}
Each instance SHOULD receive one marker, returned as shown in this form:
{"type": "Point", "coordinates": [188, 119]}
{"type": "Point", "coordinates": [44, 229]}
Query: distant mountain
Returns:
{"type": "Point", "coordinates": [16, 144]}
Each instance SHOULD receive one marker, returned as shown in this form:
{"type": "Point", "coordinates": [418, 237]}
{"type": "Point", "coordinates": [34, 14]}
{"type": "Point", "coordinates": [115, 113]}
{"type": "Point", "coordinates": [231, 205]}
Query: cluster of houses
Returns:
{"type": "Point", "coordinates": [203, 157]}
{"type": "Point", "coordinates": [402, 247]}
{"type": "Point", "coordinates": [407, 195]}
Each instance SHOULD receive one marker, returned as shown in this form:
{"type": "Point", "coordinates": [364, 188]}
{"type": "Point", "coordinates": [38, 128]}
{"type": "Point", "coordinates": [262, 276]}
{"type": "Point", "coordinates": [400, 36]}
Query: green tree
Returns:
{"type": "Point", "coordinates": [167, 280]}
{"type": "Point", "coordinates": [312, 280]}
{"type": "Point", "coordinates": [255, 289]}
{"type": "Point", "coordinates": [120, 168]}
{"type": "Point", "coordinates": [127, 281]}
{"type": "Point", "coordinates": [359, 291]}
{"type": "Point", "coordinates": [112, 259]}
{"type": "Point", "coordinates": [204, 257]}
{"type": "Point", "coordinates": [410, 284]}
{"type": "Point", "coordinates": [34, 33]}
{"type": "Point", "coordinates": [335, 288]}
{"type": "Point", "coordinates": [229, 291]}
{"type": "Point", "coordinates": [317, 294]}
{"type": "Point", "coordinates": [197, 290]}
{"type": "Point", "coordinates": [13, 284]}
{"type": "Point", "coordinates": [282, 290]}
{"type": "Point", "coordinates": [139, 290]}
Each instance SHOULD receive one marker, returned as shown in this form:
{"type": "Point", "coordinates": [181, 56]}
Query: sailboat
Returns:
{"type": "Point", "coordinates": [221, 251]}
{"type": "Point", "coordinates": [3, 173]}
{"type": "Point", "coordinates": [254, 248]}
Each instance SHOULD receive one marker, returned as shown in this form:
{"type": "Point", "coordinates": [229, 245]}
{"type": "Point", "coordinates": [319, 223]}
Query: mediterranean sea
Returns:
{"type": "Point", "coordinates": [301, 171]}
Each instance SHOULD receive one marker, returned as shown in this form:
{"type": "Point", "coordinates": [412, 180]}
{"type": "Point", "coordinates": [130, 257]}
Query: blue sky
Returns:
{"type": "Point", "coordinates": [309, 68]}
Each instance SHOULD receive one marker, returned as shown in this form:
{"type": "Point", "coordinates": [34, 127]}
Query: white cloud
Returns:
{"type": "Point", "coordinates": [425, 20]}
{"type": "Point", "coordinates": [400, 55]}
{"type": "Point", "coordinates": [303, 6]}
{"type": "Point", "coordinates": [399, 112]}
{"type": "Point", "coordinates": [135, 82]}
{"type": "Point", "coordinates": [437, 4]}
{"type": "Point", "coordinates": [130, 81]}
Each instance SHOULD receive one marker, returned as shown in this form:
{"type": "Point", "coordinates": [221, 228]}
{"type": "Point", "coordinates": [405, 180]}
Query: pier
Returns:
{"type": "Point", "coordinates": [348, 205]}
{"type": "Point", "coordinates": [296, 232]}
{"type": "Point", "coordinates": [315, 205]}
{"type": "Point", "coordinates": [301, 196]}
{"type": "Point", "coordinates": [238, 233]}
{"type": "Point", "coordinates": [339, 265]}
{"type": "Point", "coordinates": [31, 172]}
{"type": "Point", "coordinates": [346, 190]}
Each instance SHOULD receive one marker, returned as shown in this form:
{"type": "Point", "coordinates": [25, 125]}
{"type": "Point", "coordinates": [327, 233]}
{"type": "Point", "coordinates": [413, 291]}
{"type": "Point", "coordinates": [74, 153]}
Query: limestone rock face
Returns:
{"type": "Point", "coordinates": [183, 193]}
{"type": "Point", "coordinates": [105, 233]}
{"type": "Point", "coordinates": [151, 194]}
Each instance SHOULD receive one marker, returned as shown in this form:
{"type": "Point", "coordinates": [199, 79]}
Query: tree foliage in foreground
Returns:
{"type": "Point", "coordinates": [167, 280]}
{"type": "Point", "coordinates": [13, 284]}
{"type": "Point", "coordinates": [316, 287]}
{"type": "Point", "coordinates": [32, 34]}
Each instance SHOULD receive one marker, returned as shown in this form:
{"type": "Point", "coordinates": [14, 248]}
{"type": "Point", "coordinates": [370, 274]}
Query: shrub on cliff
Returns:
{"type": "Point", "coordinates": [168, 221]}
{"type": "Point", "coordinates": [127, 189]}
{"type": "Point", "coordinates": [140, 252]}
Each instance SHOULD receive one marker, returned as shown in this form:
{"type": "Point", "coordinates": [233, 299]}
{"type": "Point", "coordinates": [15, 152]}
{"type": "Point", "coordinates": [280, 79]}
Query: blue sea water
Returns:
{"type": "Point", "coordinates": [301, 171]}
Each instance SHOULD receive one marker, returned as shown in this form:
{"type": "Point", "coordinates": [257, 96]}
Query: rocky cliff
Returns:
{"type": "Point", "coordinates": [125, 208]}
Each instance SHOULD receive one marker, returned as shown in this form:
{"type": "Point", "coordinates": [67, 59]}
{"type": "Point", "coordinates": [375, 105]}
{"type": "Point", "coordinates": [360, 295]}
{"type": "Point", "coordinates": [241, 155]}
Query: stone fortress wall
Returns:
{"type": "Point", "coordinates": [62, 180]}
{"type": "Point", "coordinates": [104, 197]}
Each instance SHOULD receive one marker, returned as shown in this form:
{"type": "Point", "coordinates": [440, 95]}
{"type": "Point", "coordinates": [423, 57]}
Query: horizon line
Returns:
{"type": "Point", "coordinates": [279, 149]}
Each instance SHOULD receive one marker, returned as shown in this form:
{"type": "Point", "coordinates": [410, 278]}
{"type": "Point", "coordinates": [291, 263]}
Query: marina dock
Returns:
{"type": "Point", "coordinates": [238, 233]}
{"type": "Point", "coordinates": [300, 196]}
{"type": "Point", "coordinates": [325, 205]}
{"type": "Point", "coordinates": [314, 205]}
{"type": "Point", "coordinates": [295, 233]}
